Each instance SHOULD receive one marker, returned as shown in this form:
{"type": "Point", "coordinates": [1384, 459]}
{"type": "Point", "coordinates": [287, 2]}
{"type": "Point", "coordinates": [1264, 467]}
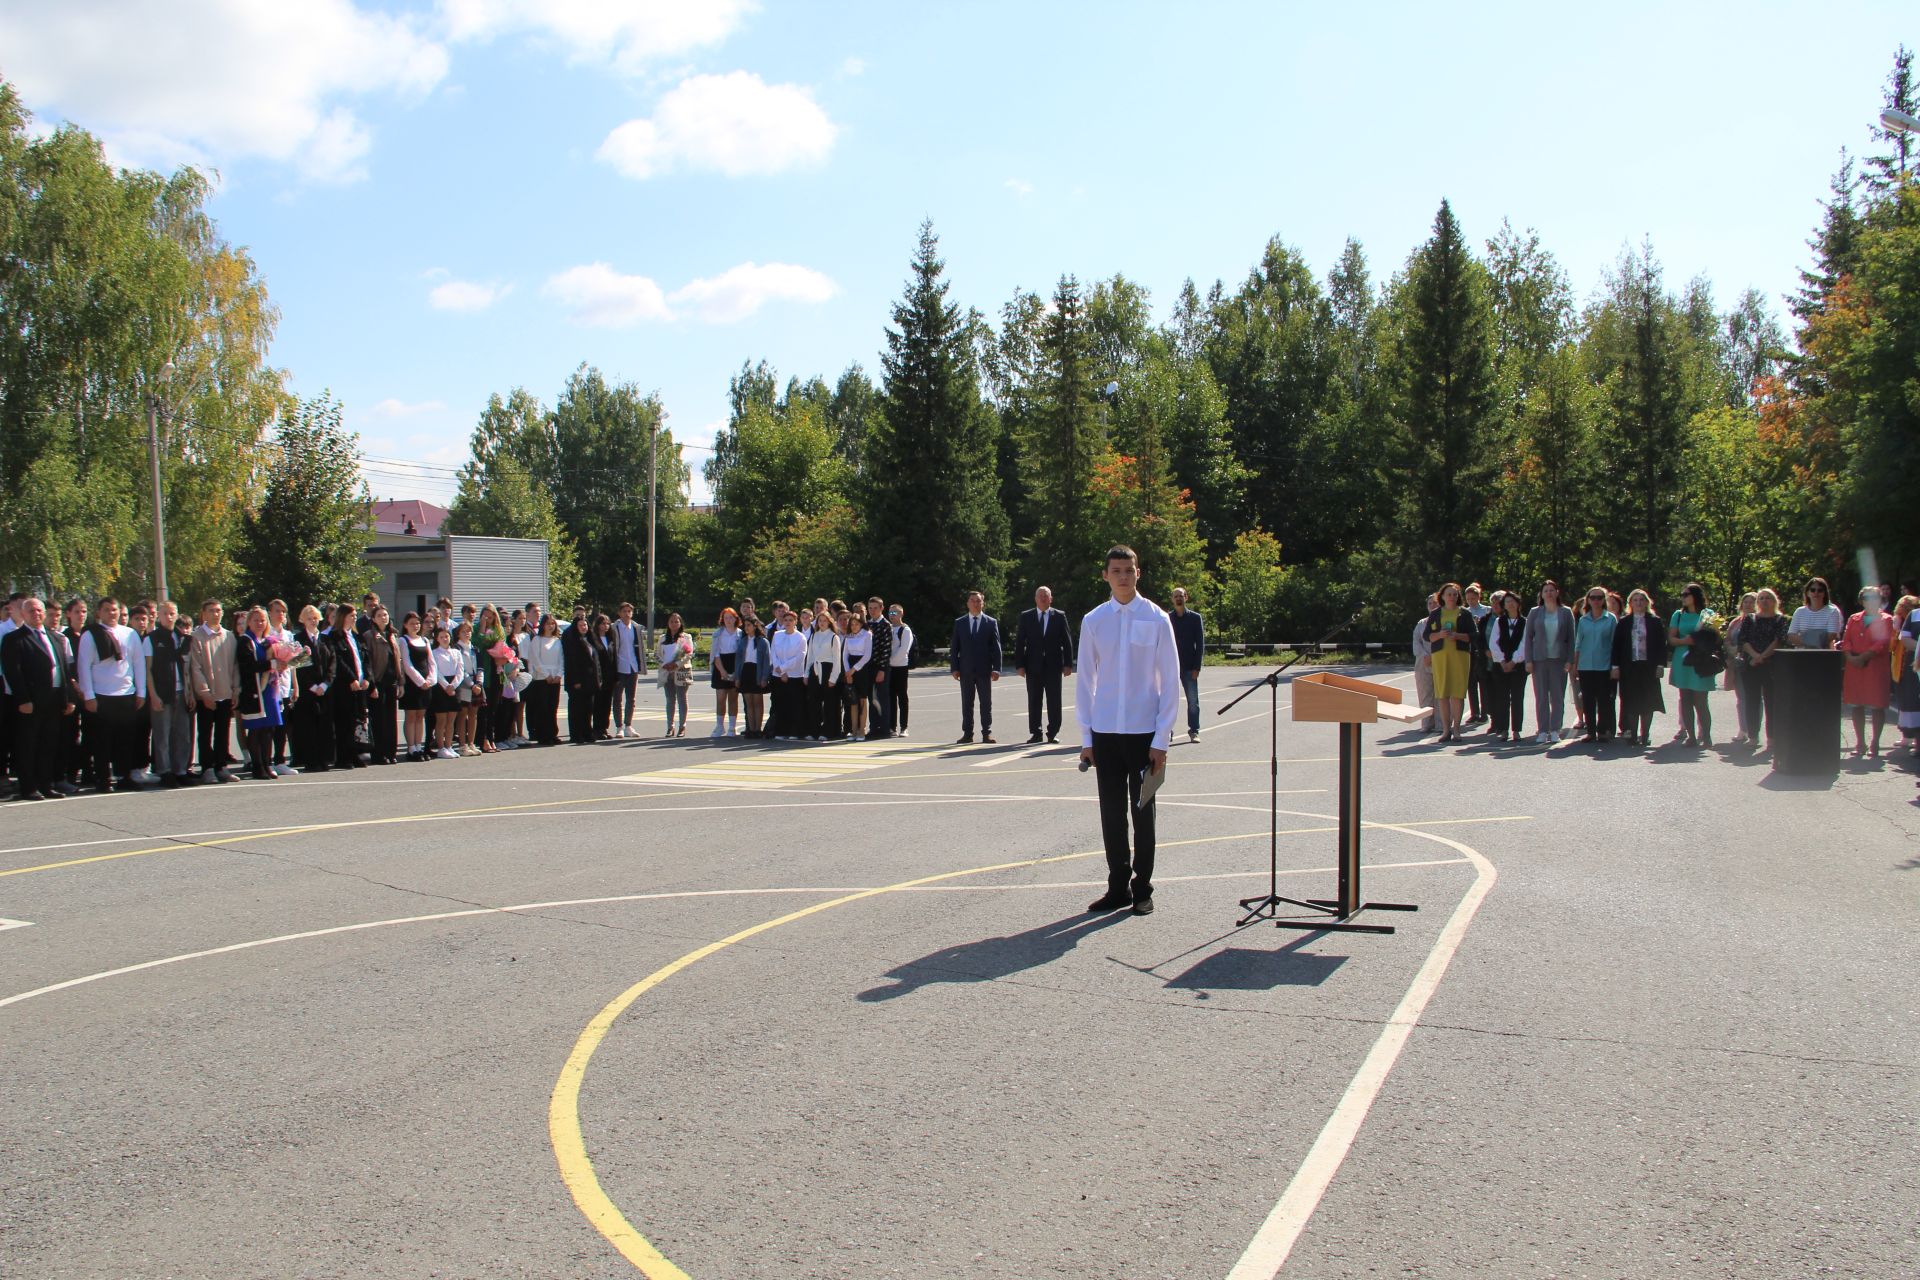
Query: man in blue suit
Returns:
{"type": "Point", "coordinates": [974, 659]}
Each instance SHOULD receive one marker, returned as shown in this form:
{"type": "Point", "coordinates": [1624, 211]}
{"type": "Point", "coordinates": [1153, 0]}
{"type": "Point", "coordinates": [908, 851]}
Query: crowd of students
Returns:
{"type": "Point", "coordinates": [1474, 661]}
{"type": "Point", "coordinates": [114, 699]}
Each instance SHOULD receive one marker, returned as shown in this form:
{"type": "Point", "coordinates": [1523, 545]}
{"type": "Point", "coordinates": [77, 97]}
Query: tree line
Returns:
{"type": "Point", "coordinates": [1288, 448]}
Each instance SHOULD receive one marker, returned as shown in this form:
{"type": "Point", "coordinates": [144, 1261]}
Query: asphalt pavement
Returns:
{"type": "Point", "coordinates": [736, 1010]}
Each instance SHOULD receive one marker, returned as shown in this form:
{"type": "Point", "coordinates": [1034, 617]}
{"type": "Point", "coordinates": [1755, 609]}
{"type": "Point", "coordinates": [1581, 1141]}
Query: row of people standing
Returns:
{"type": "Point", "coordinates": [1612, 652]}
{"type": "Point", "coordinates": [828, 671]}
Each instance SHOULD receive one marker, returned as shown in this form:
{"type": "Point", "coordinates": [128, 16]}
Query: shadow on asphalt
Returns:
{"type": "Point", "coordinates": [1243, 969]}
{"type": "Point", "coordinates": [993, 958]}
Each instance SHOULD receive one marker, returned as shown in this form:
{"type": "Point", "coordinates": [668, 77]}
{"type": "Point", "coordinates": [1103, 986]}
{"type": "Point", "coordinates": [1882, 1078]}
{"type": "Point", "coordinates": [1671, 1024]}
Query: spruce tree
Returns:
{"type": "Point", "coordinates": [931, 488]}
{"type": "Point", "coordinates": [1061, 443]}
{"type": "Point", "coordinates": [307, 540]}
{"type": "Point", "coordinates": [1444, 402]}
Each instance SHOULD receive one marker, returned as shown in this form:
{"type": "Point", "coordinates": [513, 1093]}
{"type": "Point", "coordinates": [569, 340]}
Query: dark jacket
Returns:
{"type": "Point", "coordinates": [338, 641]}
{"type": "Point", "coordinates": [974, 651]}
{"type": "Point", "coordinates": [167, 680]}
{"type": "Point", "coordinates": [581, 668]}
{"type": "Point", "coordinates": [31, 674]}
{"type": "Point", "coordinates": [1464, 627]}
{"type": "Point", "coordinates": [606, 658]}
{"type": "Point", "coordinates": [1189, 639]}
{"type": "Point", "coordinates": [317, 671]}
{"type": "Point", "coordinates": [882, 632]}
{"type": "Point", "coordinates": [1656, 641]}
{"type": "Point", "coordinates": [376, 651]}
{"type": "Point", "coordinates": [1043, 655]}
{"type": "Point", "coordinates": [254, 660]}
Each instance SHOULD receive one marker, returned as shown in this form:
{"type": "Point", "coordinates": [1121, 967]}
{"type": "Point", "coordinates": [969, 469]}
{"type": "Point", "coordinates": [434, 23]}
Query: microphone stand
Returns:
{"type": "Point", "coordinates": [1267, 905]}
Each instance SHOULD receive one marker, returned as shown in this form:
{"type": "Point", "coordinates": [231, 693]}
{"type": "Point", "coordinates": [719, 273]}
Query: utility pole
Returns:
{"type": "Point", "coordinates": [653, 506]}
{"type": "Point", "coordinates": [159, 510]}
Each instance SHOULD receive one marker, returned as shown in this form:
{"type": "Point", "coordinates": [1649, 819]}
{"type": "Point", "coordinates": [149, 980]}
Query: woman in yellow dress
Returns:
{"type": "Point", "coordinates": [1450, 632]}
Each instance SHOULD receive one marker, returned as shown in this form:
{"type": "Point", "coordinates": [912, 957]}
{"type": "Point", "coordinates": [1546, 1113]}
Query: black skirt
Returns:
{"type": "Point", "coordinates": [724, 678]}
{"type": "Point", "coordinates": [443, 702]}
{"type": "Point", "coordinates": [414, 697]}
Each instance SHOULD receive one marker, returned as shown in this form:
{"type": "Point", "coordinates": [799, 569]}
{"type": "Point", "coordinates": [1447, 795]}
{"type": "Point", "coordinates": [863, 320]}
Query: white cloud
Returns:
{"type": "Point", "coordinates": [208, 81]}
{"type": "Point", "coordinates": [392, 408]}
{"type": "Point", "coordinates": [735, 124]}
{"type": "Point", "coordinates": [465, 295]}
{"type": "Point", "coordinates": [740, 291]}
{"type": "Point", "coordinates": [598, 295]}
{"type": "Point", "coordinates": [1020, 186]}
{"type": "Point", "coordinates": [853, 67]}
{"type": "Point", "coordinates": [626, 34]}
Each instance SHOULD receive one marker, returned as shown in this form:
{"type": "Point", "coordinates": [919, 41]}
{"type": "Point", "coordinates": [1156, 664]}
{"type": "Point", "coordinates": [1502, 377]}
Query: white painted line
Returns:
{"type": "Point", "coordinates": [1281, 1231]}
{"type": "Point", "coordinates": [6, 924]}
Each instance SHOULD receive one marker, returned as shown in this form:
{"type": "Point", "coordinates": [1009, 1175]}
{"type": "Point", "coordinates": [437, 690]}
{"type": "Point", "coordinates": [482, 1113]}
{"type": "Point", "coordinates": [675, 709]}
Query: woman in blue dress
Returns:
{"type": "Point", "coordinates": [258, 695]}
{"type": "Point", "coordinates": [1696, 720]}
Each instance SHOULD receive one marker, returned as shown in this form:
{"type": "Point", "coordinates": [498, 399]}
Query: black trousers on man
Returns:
{"type": "Point", "coordinates": [216, 734]}
{"type": "Point", "coordinates": [349, 713]}
{"type": "Point", "coordinates": [976, 684]}
{"type": "Point", "coordinates": [36, 743]}
{"type": "Point", "coordinates": [896, 687]}
{"type": "Point", "coordinates": [1043, 685]}
{"type": "Point", "coordinates": [110, 738]}
{"type": "Point", "coordinates": [880, 702]}
{"type": "Point", "coordinates": [1119, 766]}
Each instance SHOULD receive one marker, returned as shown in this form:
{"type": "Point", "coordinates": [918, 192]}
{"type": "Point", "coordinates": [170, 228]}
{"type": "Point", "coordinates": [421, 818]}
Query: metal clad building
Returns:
{"type": "Point", "coordinates": [507, 572]}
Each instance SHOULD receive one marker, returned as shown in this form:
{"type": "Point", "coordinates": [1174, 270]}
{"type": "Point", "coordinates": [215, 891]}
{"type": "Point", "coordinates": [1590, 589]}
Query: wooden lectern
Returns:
{"type": "Point", "coordinates": [1322, 697]}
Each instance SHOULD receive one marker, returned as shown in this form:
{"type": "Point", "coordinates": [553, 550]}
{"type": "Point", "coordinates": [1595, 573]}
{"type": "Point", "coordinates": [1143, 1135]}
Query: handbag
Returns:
{"type": "Point", "coordinates": [682, 675]}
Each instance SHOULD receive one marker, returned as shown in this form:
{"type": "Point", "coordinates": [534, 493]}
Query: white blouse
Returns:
{"type": "Point", "coordinates": [823, 650]}
{"type": "Point", "coordinates": [1828, 619]}
{"type": "Point", "coordinates": [857, 649]}
{"type": "Point", "coordinates": [447, 668]}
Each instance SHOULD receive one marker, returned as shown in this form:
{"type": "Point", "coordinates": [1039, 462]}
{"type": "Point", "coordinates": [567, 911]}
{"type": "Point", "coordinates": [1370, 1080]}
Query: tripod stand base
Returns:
{"type": "Point", "coordinates": [1324, 914]}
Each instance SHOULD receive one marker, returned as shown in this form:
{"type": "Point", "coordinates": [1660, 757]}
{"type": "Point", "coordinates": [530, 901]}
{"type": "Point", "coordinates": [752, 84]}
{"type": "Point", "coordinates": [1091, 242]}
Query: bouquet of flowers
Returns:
{"type": "Point", "coordinates": [290, 656]}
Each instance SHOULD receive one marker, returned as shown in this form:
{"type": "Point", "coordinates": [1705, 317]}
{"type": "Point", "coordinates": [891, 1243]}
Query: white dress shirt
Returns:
{"type": "Point", "coordinates": [101, 675]}
{"type": "Point", "coordinates": [790, 655]}
{"type": "Point", "coordinates": [902, 651]}
{"type": "Point", "coordinates": [448, 669]}
{"type": "Point", "coordinates": [1127, 677]}
{"type": "Point", "coordinates": [856, 650]}
{"type": "Point", "coordinates": [823, 650]}
{"type": "Point", "coordinates": [627, 638]}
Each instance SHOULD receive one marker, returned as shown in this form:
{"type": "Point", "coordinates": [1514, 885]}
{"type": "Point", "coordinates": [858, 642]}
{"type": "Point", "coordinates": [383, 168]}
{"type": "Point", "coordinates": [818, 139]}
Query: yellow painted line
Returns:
{"type": "Point", "coordinates": [282, 832]}
{"type": "Point", "coordinates": [563, 1108]}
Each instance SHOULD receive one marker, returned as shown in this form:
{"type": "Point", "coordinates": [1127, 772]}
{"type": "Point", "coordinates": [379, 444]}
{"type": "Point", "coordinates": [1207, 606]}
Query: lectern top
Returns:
{"type": "Point", "coordinates": [1325, 697]}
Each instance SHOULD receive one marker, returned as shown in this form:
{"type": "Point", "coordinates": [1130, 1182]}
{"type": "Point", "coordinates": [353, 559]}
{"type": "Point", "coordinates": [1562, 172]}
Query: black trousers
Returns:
{"type": "Point", "coordinates": [73, 751]}
{"type": "Point", "coordinates": [216, 734]}
{"type": "Point", "coordinates": [36, 742]}
{"type": "Point", "coordinates": [383, 736]}
{"type": "Point", "coordinates": [310, 726]}
{"type": "Point", "coordinates": [7, 716]}
{"type": "Point", "coordinates": [1476, 684]}
{"type": "Point", "coordinates": [1756, 706]}
{"type": "Point", "coordinates": [1507, 697]}
{"type": "Point", "coordinates": [1596, 701]}
{"type": "Point", "coordinates": [1119, 764]}
{"type": "Point", "coordinates": [543, 711]}
{"type": "Point", "coordinates": [896, 687]}
{"type": "Point", "coordinates": [880, 702]}
{"type": "Point", "coordinates": [976, 684]}
{"type": "Point", "coordinates": [603, 709]}
{"type": "Point", "coordinates": [501, 709]}
{"type": "Point", "coordinates": [823, 703]}
{"type": "Point", "coordinates": [349, 712]}
{"type": "Point", "coordinates": [787, 699]}
{"type": "Point", "coordinates": [1043, 684]}
{"type": "Point", "coordinates": [580, 712]}
{"type": "Point", "coordinates": [110, 737]}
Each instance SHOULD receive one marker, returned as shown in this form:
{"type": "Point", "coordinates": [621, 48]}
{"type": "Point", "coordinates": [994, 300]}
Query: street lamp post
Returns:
{"type": "Point", "coordinates": [153, 468]}
{"type": "Point", "coordinates": [653, 506]}
{"type": "Point", "coordinates": [1903, 123]}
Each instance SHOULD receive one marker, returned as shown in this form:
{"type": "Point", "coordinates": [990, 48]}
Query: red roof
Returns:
{"type": "Point", "coordinates": [391, 516]}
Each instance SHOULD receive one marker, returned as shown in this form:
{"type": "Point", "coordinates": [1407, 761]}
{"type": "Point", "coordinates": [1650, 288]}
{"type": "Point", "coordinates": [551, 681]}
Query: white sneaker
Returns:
{"type": "Point", "coordinates": [445, 753]}
{"type": "Point", "coordinates": [719, 731]}
{"type": "Point", "coordinates": [282, 771]}
{"type": "Point", "coordinates": [207, 775]}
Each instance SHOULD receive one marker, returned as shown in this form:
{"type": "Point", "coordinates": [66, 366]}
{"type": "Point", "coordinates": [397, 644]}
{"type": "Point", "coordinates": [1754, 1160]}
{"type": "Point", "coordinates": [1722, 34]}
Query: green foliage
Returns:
{"type": "Point", "coordinates": [930, 490]}
{"type": "Point", "coordinates": [110, 277]}
{"type": "Point", "coordinates": [782, 466]}
{"type": "Point", "coordinates": [308, 538]}
{"type": "Point", "coordinates": [1246, 588]}
{"type": "Point", "coordinates": [498, 496]}
{"type": "Point", "coordinates": [1729, 527]}
{"type": "Point", "coordinates": [602, 434]}
{"type": "Point", "coordinates": [811, 556]}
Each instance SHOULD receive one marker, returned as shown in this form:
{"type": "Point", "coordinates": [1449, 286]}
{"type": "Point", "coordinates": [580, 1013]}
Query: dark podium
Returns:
{"type": "Point", "coordinates": [1806, 710]}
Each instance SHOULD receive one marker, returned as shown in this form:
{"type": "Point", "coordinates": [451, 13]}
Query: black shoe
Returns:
{"type": "Point", "coordinates": [30, 795]}
{"type": "Point", "coordinates": [1143, 906]}
{"type": "Point", "coordinates": [63, 789]}
{"type": "Point", "coordinates": [1110, 902]}
{"type": "Point", "coordinates": [986, 738]}
{"type": "Point", "coordinates": [963, 740]}
{"type": "Point", "coordinates": [54, 793]}
{"type": "Point", "coordinates": [1053, 737]}
{"type": "Point", "coordinates": [1035, 738]}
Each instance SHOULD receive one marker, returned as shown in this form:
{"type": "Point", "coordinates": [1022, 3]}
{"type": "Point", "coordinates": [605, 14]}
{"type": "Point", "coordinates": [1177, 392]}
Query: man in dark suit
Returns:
{"type": "Point", "coordinates": [38, 664]}
{"type": "Point", "coordinates": [1042, 653]}
{"type": "Point", "coordinates": [974, 659]}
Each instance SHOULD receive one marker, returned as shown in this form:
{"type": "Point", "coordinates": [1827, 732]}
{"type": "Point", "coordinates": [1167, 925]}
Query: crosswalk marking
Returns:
{"type": "Point", "coordinates": [15, 924]}
{"type": "Point", "coordinates": [763, 768]}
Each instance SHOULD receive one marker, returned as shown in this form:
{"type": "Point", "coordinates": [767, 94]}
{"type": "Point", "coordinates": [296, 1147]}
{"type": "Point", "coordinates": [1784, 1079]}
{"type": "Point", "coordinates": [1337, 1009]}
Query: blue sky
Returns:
{"type": "Point", "coordinates": [453, 198]}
